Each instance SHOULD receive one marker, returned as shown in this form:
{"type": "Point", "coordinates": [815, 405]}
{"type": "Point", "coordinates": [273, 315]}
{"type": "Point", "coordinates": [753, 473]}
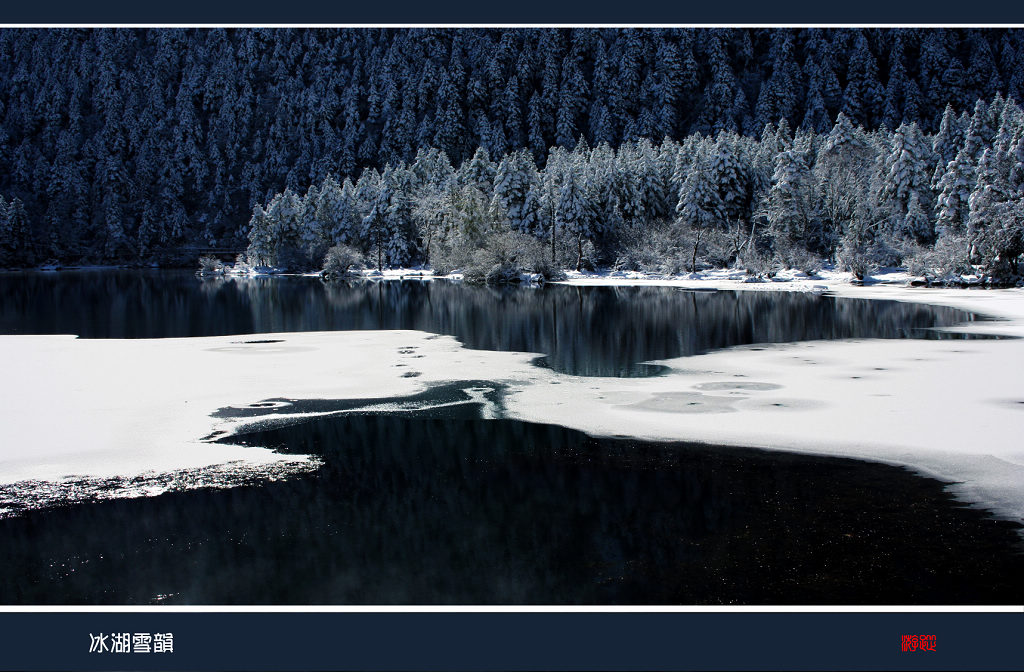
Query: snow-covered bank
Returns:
{"type": "Point", "coordinates": [952, 409]}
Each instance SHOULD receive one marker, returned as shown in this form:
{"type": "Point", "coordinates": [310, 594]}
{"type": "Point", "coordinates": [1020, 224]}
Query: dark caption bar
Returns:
{"type": "Point", "coordinates": [262, 12]}
{"type": "Point", "coordinates": [510, 641]}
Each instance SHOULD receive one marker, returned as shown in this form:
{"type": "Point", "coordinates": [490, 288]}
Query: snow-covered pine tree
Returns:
{"type": "Point", "coordinates": [515, 193]}
{"type": "Point", "coordinates": [375, 224]}
{"type": "Point", "coordinates": [896, 87]}
{"type": "Point", "coordinates": [979, 133]}
{"type": "Point", "coordinates": [916, 224]}
{"type": "Point", "coordinates": [988, 205]}
{"type": "Point", "coordinates": [982, 72]}
{"type": "Point", "coordinates": [284, 215]}
{"type": "Point", "coordinates": [653, 183]}
{"type": "Point", "coordinates": [955, 187]}
{"type": "Point", "coordinates": [535, 127]}
{"type": "Point", "coordinates": [668, 88]}
{"type": "Point", "coordinates": [478, 172]}
{"type": "Point", "coordinates": [905, 174]}
{"type": "Point", "coordinates": [863, 95]}
{"type": "Point", "coordinates": [816, 117]}
{"type": "Point", "coordinates": [945, 144]}
{"type": "Point", "coordinates": [262, 250]}
{"type": "Point", "coordinates": [729, 178]}
{"type": "Point", "coordinates": [571, 101]}
{"type": "Point", "coordinates": [718, 105]}
{"type": "Point", "coordinates": [820, 66]}
{"type": "Point", "coordinates": [573, 215]}
{"type": "Point", "coordinates": [449, 117]}
{"type": "Point", "coordinates": [778, 95]}
{"type": "Point", "coordinates": [336, 211]}
{"type": "Point", "coordinates": [843, 174]}
{"type": "Point", "coordinates": [792, 204]}
{"type": "Point", "coordinates": [628, 188]}
{"type": "Point", "coordinates": [699, 206]}
{"type": "Point", "coordinates": [400, 241]}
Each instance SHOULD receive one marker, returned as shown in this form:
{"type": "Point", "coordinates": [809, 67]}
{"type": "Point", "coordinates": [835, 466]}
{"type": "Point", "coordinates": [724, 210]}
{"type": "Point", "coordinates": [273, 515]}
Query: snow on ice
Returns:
{"type": "Point", "coordinates": [952, 409]}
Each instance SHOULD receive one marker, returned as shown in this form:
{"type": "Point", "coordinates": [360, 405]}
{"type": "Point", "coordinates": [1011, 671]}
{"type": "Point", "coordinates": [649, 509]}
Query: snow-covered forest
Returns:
{"type": "Point", "coordinates": [653, 148]}
{"type": "Point", "coordinates": [948, 203]}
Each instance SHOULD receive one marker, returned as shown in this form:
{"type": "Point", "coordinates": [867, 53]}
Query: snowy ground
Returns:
{"type": "Point", "coordinates": [86, 411]}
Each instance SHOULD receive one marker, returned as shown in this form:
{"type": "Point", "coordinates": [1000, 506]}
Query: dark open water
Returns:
{"type": "Point", "coordinates": [441, 506]}
{"type": "Point", "coordinates": [590, 331]}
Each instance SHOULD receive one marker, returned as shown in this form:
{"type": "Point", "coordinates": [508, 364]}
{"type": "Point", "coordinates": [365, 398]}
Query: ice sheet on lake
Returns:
{"type": "Point", "coordinates": [123, 409]}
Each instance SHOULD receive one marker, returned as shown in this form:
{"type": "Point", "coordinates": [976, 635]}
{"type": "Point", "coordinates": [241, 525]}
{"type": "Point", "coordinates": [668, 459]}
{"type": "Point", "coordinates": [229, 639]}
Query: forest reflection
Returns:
{"type": "Point", "coordinates": [592, 331]}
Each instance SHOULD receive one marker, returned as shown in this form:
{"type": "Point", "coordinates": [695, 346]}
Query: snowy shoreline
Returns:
{"type": "Point", "coordinates": [946, 409]}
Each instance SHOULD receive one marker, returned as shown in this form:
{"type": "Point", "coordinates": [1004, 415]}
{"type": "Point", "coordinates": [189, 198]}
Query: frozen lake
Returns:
{"type": "Point", "coordinates": [431, 442]}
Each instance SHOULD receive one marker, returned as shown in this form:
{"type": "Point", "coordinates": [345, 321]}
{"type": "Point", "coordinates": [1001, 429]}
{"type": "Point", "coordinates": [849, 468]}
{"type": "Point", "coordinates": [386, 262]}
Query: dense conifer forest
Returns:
{"type": "Point", "coordinates": [655, 149]}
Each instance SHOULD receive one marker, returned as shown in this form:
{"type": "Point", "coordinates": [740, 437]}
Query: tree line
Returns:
{"type": "Point", "coordinates": [127, 144]}
{"type": "Point", "coordinates": [945, 202]}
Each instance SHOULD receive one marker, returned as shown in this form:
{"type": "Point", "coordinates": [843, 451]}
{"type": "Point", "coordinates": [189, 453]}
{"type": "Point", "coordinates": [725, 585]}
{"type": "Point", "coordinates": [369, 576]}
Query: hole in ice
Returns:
{"type": "Point", "coordinates": [270, 404]}
{"type": "Point", "coordinates": [784, 404]}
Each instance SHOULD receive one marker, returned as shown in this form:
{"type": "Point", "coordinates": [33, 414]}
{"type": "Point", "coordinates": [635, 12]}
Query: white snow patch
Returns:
{"type": "Point", "coordinates": [96, 408]}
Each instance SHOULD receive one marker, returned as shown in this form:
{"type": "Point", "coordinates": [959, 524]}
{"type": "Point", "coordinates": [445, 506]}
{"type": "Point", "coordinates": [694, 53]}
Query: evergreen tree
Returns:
{"type": "Point", "coordinates": [916, 224]}
{"type": "Point", "coordinates": [262, 250]}
{"type": "Point", "coordinates": [515, 193]}
{"type": "Point", "coordinates": [863, 94]}
{"type": "Point", "coordinates": [905, 175]}
{"type": "Point", "coordinates": [337, 213]}
{"type": "Point", "coordinates": [699, 206]}
{"type": "Point", "coordinates": [955, 187]}
{"type": "Point", "coordinates": [729, 179]}
{"type": "Point", "coordinates": [792, 208]}
{"type": "Point", "coordinates": [572, 215]}
{"type": "Point", "coordinates": [945, 143]}
{"type": "Point", "coordinates": [778, 95]}
{"type": "Point", "coordinates": [989, 203]}
{"type": "Point", "coordinates": [842, 170]}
